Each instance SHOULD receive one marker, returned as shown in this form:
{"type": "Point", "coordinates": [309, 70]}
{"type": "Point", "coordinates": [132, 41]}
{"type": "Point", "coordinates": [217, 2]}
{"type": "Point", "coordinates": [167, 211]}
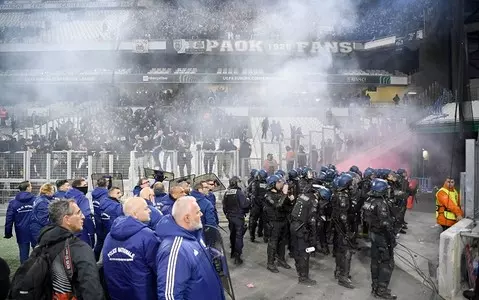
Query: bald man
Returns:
{"type": "Point", "coordinates": [148, 195]}
{"type": "Point", "coordinates": [129, 254]}
{"type": "Point", "coordinates": [166, 203]}
{"type": "Point", "coordinates": [184, 267]}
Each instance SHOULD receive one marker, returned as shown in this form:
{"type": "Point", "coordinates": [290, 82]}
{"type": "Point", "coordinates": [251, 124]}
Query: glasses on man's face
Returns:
{"type": "Point", "coordinates": [144, 182]}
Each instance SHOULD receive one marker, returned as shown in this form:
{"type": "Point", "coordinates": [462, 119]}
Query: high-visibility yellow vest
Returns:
{"type": "Point", "coordinates": [453, 196]}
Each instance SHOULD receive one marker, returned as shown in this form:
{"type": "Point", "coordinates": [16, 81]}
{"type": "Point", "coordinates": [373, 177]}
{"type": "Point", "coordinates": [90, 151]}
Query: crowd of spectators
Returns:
{"type": "Point", "coordinates": [228, 19]}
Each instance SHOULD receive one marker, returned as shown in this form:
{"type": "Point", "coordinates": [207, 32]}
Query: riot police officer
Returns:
{"type": "Point", "coordinates": [403, 184]}
{"type": "Point", "coordinates": [324, 217]}
{"type": "Point", "coordinates": [369, 175]}
{"type": "Point", "coordinates": [342, 232]}
{"type": "Point", "coordinates": [356, 205]}
{"type": "Point", "coordinates": [256, 217]}
{"type": "Point", "coordinates": [276, 216]}
{"type": "Point", "coordinates": [381, 221]}
{"type": "Point", "coordinates": [303, 233]}
{"type": "Point", "coordinates": [235, 207]}
{"type": "Point", "coordinates": [293, 194]}
{"type": "Point", "coordinates": [396, 198]}
{"type": "Point", "coordinates": [306, 180]}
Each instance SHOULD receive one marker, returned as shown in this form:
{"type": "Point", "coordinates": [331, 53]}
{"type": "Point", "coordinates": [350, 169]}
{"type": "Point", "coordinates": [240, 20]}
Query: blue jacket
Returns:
{"type": "Point", "coordinates": [88, 232]}
{"type": "Point", "coordinates": [155, 215]}
{"type": "Point", "coordinates": [129, 260]}
{"type": "Point", "coordinates": [136, 191]}
{"type": "Point", "coordinates": [59, 194]}
{"type": "Point", "coordinates": [212, 198]}
{"type": "Point", "coordinates": [110, 210]}
{"type": "Point", "coordinates": [39, 215]}
{"type": "Point", "coordinates": [166, 204]}
{"type": "Point", "coordinates": [19, 213]}
{"type": "Point", "coordinates": [209, 216]}
{"type": "Point", "coordinates": [185, 268]}
{"type": "Point", "coordinates": [98, 194]}
{"type": "Point", "coordinates": [158, 199]}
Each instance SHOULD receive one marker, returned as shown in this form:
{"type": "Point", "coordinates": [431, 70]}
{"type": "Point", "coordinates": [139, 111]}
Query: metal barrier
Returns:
{"type": "Point", "coordinates": [40, 168]}
{"type": "Point", "coordinates": [424, 184]}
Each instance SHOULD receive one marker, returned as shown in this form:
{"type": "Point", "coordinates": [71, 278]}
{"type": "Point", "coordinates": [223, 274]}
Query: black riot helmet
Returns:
{"type": "Point", "coordinates": [343, 181]}
{"type": "Point", "coordinates": [356, 170]}
{"type": "Point", "coordinates": [234, 182]}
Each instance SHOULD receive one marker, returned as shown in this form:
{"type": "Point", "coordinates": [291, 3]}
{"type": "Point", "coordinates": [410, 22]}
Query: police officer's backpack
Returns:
{"type": "Point", "coordinates": [33, 279]}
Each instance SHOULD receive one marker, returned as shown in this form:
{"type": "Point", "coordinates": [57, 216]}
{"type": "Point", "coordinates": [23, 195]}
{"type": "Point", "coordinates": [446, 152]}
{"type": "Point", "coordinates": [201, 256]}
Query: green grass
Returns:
{"type": "Point", "coordinates": [9, 252]}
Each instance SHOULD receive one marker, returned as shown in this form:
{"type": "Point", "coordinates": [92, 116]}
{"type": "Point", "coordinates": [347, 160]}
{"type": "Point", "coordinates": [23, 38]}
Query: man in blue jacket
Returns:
{"type": "Point", "coordinates": [212, 198]}
{"type": "Point", "coordinates": [129, 254]}
{"type": "Point", "coordinates": [159, 190]}
{"type": "Point", "coordinates": [166, 203]}
{"type": "Point", "coordinates": [19, 214]}
{"type": "Point", "coordinates": [185, 267]}
{"type": "Point", "coordinates": [110, 209]}
{"type": "Point", "coordinates": [62, 188]}
{"type": "Point", "coordinates": [207, 209]}
{"type": "Point", "coordinates": [98, 193]}
{"type": "Point", "coordinates": [77, 192]}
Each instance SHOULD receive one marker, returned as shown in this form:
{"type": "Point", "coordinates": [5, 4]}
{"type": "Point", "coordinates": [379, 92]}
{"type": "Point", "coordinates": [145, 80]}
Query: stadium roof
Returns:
{"type": "Point", "coordinates": [445, 120]}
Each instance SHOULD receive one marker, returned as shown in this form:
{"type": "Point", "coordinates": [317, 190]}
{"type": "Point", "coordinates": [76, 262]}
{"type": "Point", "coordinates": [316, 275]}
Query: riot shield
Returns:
{"type": "Point", "coordinates": [158, 175]}
{"type": "Point", "coordinates": [214, 243]}
{"type": "Point", "coordinates": [114, 179]}
{"type": "Point", "coordinates": [219, 186]}
{"type": "Point", "coordinates": [189, 178]}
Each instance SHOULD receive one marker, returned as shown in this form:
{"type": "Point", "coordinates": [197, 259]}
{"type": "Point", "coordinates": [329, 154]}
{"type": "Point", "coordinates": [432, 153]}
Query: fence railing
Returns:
{"type": "Point", "coordinates": [40, 168]}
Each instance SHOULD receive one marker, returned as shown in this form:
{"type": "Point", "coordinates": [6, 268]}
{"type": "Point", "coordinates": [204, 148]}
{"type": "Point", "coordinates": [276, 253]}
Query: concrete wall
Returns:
{"type": "Point", "coordinates": [451, 247]}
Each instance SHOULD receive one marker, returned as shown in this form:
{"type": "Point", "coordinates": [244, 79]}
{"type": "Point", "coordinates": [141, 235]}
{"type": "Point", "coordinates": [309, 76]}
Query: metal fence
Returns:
{"type": "Point", "coordinates": [40, 168]}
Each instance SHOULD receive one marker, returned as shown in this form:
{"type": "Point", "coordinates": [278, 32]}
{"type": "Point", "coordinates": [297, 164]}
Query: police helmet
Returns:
{"type": "Point", "coordinates": [307, 172]}
{"type": "Point", "coordinates": [354, 169]}
{"type": "Point", "coordinates": [330, 175]}
{"type": "Point", "coordinates": [280, 173]}
{"type": "Point", "coordinates": [253, 173]}
{"type": "Point", "coordinates": [369, 172]}
{"type": "Point", "coordinates": [324, 168]}
{"type": "Point", "coordinates": [234, 182]}
{"type": "Point", "coordinates": [331, 166]}
{"type": "Point", "coordinates": [262, 174]}
{"type": "Point", "coordinates": [292, 174]}
{"type": "Point", "coordinates": [379, 187]}
{"type": "Point", "coordinates": [323, 192]}
{"type": "Point", "coordinates": [401, 172]}
{"type": "Point", "coordinates": [344, 181]}
{"type": "Point", "coordinates": [272, 180]}
{"type": "Point", "coordinates": [322, 176]}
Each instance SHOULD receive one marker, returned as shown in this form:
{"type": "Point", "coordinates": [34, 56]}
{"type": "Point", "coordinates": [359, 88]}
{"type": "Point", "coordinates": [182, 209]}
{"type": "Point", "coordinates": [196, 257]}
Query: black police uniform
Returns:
{"type": "Point", "coordinates": [342, 237]}
{"type": "Point", "coordinates": [256, 217]}
{"type": "Point", "coordinates": [235, 206]}
{"type": "Point", "coordinates": [305, 185]}
{"type": "Point", "coordinates": [383, 241]}
{"type": "Point", "coordinates": [303, 233]}
{"type": "Point", "coordinates": [395, 200]}
{"type": "Point", "coordinates": [293, 193]}
{"type": "Point", "coordinates": [324, 224]}
{"type": "Point", "coordinates": [403, 185]}
{"type": "Point", "coordinates": [276, 216]}
{"type": "Point", "coordinates": [365, 188]}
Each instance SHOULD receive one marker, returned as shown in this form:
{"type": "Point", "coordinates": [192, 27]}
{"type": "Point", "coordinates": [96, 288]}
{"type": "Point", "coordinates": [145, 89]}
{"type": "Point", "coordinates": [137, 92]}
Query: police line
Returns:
{"type": "Point", "coordinates": [204, 78]}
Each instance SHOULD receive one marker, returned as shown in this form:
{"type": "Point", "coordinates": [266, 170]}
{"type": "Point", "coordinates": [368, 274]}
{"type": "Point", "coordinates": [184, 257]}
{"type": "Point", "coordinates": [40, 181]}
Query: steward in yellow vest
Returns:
{"type": "Point", "coordinates": [448, 205]}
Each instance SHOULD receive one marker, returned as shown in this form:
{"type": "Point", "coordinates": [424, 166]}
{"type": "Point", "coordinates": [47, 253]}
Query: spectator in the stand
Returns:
{"type": "Point", "coordinates": [270, 164]}
{"type": "Point", "coordinates": [131, 273]}
{"type": "Point", "coordinates": [53, 135]}
{"type": "Point", "coordinates": [19, 214]}
{"type": "Point", "coordinates": [157, 141]}
{"type": "Point", "coordinates": [200, 191]}
{"type": "Point", "coordinates": [166, 203]}
{"type": "Point", "coordinates": [77, 192]}
{"type": "Point", "coordinates": [184, 154]}
{"type": "Point", "coordinates": [63, 186]}
{"type": "Point", "coordinates": [396, 99]}
{"type": "Point", "coordinates": [290, 156]}
{"type": "Point", "coordinates": [169, 145]}
{"type": "Point", "coordinates": [225, 159]}
{"type": "Point", "coordinates": [100, 192]}
{"type": "Point", "coordinates": [264, 127]}
{"type": "Point", "coordinates": [301, 157]}
{"type": "Point", "coordinates": [209, 147]}
{"type": "Point", "coordinates": [3, 116]}
{"type": "Point", "coordinates": [40, 210]}
{"type": "Point", "coordinates": [244, 155]}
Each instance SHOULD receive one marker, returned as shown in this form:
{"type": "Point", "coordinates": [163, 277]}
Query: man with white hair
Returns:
{"type": "Point", "coordinates": [185, 267]}
{"type": "Point", "coordinates": [129, 254]}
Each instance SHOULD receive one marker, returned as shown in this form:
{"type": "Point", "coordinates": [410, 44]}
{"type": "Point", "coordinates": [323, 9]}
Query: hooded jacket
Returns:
{"type": "Point", "coordinates": [158, 198]}
{"type": "Point", "coordinates": [110, 209]}
{"type": "Point", "coordinates": [166, 204]}
{"type": "Point", "coordinates": [98, 194]}
{"type": "Point", "coordinates": [19, 214]}
{"type": "Point", "coordinates": [185, 268]}
{"type": "Point", "coordinates": [39, 215]}
{"type": "Point", "coordinates": [155, 215]}
{"type": "Point", "coordinates": [85, 280]}
{"type": "Point", "coordinates": [88, 232]}
{"type": "Point", "coordinates": [209, 216]}
{"type": "Point", "coordinates": [59, 194]}
{"type": "Point", "coordinates": [129, 260]}
{"type": "Point", "coordinates": [212, 198]}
